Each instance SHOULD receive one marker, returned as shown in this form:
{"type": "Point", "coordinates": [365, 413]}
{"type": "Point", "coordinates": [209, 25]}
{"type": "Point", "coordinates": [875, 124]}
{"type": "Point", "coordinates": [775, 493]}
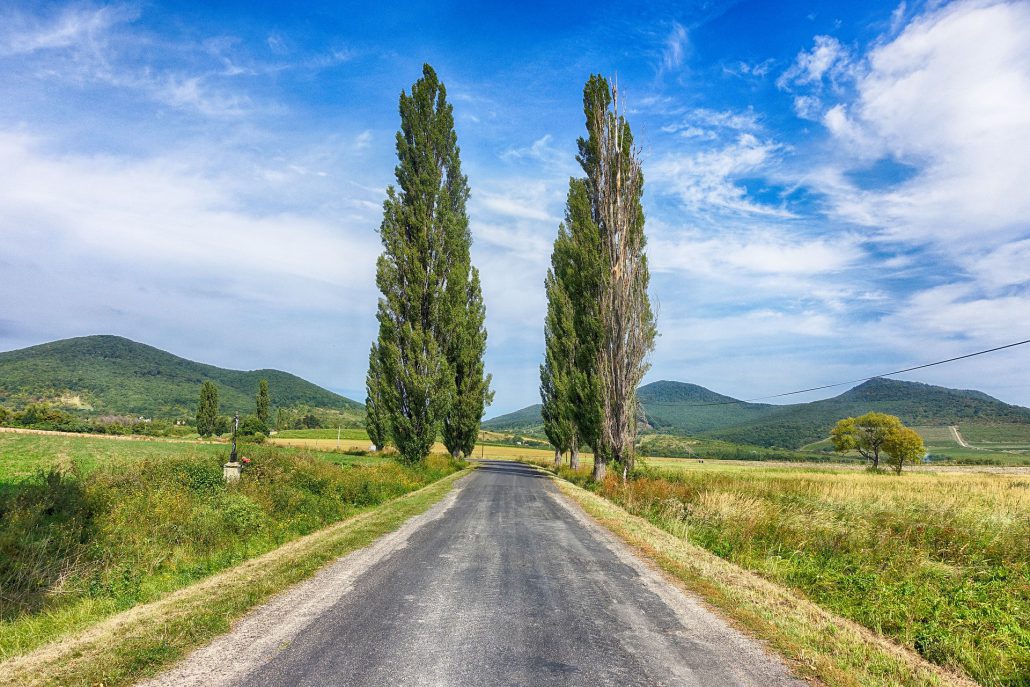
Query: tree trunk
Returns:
{"type": "Point", "coordinates": [600, 468]}
{"type": "Point", "coordinates": [876, 459]}
{"type": "Point", "coordinates": [557, 457]}
{"type": "Point", "coordinates": [574, 456]}
{"type": "Point", "coordinates": [456, 453]}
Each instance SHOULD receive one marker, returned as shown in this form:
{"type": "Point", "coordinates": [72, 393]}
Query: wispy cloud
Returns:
{"type": "Point", "coordinates": [675, 48]}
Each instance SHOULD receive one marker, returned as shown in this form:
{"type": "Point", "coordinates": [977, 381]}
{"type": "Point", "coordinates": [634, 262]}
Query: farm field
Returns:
{"type": "Point", "coordinates": [937, 561]}
{"type": "Point", "coordinates": [1002, 444]}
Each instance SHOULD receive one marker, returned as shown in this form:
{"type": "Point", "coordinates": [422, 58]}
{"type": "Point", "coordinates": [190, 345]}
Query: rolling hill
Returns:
{"type": "Point", "coordinates": [689, 409]}
{"type": "Point", "coordinates": [113, 375]}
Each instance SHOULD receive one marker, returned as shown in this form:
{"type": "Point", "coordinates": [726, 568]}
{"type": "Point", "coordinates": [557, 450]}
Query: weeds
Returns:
{"type": "Point", "coordinates": [76, 548]}
{"type": "Point", "coordinates": [938, 562]}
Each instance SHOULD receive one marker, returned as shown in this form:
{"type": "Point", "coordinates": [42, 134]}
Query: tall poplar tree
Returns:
{"type": "Point", "coordinates": [466, 346]}
{"type": "Point", "coordinates": [425, 253]}
{"type": "Point", "coordinates": [557, 370]}
{"type": "Point", "coordinates": [375, 415]}
{"type": "Point", "coordinates": [262, 402]}
{"type": "Point", "coordinates": [615, 185]}
{"type": "Point", "coordinates": [207, 409]}
{"type": "Point", "coordinates": [583, 276]}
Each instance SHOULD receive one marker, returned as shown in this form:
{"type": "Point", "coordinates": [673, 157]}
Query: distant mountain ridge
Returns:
{"type": "Point", "coordinates": [682, 408]}
{"type": "Point", "coordinates": [107, 374]}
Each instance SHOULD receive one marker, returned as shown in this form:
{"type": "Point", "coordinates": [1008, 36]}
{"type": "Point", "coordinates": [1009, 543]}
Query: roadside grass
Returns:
{"type": "Point", "coordinates": [818, 644]}
{"type": "Point", "coordinates": [139, 642]}
{"type": "Point", "coordinates": [80, 541]}
{"type": "Point", "coordinates": [937, 562]}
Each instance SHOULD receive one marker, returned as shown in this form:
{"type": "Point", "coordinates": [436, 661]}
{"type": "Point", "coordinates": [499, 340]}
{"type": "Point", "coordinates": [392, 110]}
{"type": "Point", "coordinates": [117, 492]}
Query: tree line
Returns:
{"type": "Point", "coordinates": [210, 420]}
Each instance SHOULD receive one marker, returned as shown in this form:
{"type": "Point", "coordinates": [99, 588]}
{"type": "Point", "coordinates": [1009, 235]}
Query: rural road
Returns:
{"type": "Point", "coordinates": [502, 583]}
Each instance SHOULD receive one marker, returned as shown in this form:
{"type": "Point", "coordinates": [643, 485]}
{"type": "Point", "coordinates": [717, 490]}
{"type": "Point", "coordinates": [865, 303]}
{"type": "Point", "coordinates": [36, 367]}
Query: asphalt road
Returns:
{"type": "Point", "coordinates": [506, 584]}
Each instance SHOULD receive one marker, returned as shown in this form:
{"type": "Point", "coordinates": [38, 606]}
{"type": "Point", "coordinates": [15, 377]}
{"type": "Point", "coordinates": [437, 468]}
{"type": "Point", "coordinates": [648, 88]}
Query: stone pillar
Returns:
{"type": "Point", "coordinates": [231, 472]}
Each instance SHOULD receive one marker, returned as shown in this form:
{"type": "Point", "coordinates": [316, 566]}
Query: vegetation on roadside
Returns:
{"type": "Point", "coordinates": [130, 646]}
{"type": "Point", "coordinates": [78, 543]}
{"type": "Point", "coordinates": [817, 643]}
{"type": "Point", "coordinates": [938, 562]}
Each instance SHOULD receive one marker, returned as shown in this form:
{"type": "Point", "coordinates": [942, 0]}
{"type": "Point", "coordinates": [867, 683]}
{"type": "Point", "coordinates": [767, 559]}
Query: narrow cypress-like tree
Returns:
{"type": "Point", "coordinates": [263, 408]}
{"type": "Point", "coordinates": [375, 417]}
{"type": "Point", "coordinates": [583, 276]}
{"type": "Point", "coordinates": [207, 410]}
{"type": "Point", "coordinates": [557, 370]}
{"type": "Point", "coordinates": [425, 242]}
{"type": "Point", "coordinates": [466, 346]}
{"type": "Point", "coordinates": [615, 184]}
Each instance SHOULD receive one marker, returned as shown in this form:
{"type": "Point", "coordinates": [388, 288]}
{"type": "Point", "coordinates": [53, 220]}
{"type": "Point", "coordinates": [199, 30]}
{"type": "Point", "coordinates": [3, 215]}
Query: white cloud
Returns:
{"type": "Point", "coordinates": [675, 47]}
{"type": "Point", "coordinates": [159, 215]}
{"type": "Point", "coordinates": [826, 58]}
{"type": "Point", "coordinates": [950, 96]}
{"type": "Point", "coordinates": [706, 179]}
{"type": "Point", "coordinates": [75, 26]}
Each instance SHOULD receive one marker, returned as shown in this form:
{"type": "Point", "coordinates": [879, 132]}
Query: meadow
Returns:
{"type": "Point", "coordinates": [937, 561]}
{"type": "Point", "coordinates": [91, 526]}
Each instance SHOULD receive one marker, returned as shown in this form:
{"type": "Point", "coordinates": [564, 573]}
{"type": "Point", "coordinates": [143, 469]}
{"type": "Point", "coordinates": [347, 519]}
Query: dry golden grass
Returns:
{"type": "Point", "coordinates": [819, 644]}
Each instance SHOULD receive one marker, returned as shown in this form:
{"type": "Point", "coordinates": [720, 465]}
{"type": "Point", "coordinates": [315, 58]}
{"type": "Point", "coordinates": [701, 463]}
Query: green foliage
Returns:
{"type": "Point", "coordinates": [940, 563]}
{"type": "Point", "coordinates": [466, 346]}
{"type": "Point", "coordinates": [868, 434]}
{"type": "Point", "coordinates": [252, 425]}
{"type": "Point", "coordinates": [904, 445]}
{"type": "Point", "coordinates": [557, 373]}
{"type": "Point", "coordinates": [208, 420]}
{"type": "Point", "coordinates": [425, 240]}
{"type": "Point", "coordinates": [83, 545]}
{"type": "Point", "coordinates": [262, 402]}
{"type": "Point", "coordinates": [376, 417]}
{"type": "Point", "coordinates": [112, 375]}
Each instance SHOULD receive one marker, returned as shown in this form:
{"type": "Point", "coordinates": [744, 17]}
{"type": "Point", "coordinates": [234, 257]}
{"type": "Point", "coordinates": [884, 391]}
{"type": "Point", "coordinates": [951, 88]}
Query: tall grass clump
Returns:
{"type": "Point", "coordinates": [939, 562]}
{"type": "Point", "coordinates": [75, 548]}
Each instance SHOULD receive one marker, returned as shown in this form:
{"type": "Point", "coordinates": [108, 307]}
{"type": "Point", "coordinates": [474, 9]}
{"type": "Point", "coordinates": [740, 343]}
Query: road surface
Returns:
{"type": "Point", "coordinates": [502, 583]}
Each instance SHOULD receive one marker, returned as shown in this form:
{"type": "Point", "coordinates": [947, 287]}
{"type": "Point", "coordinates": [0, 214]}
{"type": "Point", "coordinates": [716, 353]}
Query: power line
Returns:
{"type": "Point", "coordinates": [853, 381]}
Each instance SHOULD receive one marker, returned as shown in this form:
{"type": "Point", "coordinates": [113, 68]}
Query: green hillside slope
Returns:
{"type": "Point", "coordinates": [689, 409]}
{"type": "Point", "coordinates": [526, 421]}
{"type": "Point", "coordinates": [111, 374]}
{"type": "Point", "coordinates": [792, 426]}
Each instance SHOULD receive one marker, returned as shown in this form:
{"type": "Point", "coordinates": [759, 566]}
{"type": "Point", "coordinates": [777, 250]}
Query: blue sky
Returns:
{"type": "Point", "coordinates": [832, 189]}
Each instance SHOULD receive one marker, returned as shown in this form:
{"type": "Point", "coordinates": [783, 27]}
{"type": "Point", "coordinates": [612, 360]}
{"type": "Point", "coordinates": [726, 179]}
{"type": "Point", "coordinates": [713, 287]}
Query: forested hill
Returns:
{"type": "Point", "coordinates": [679, 408]}
{"type": "Point", "coordinates": [111, 374]}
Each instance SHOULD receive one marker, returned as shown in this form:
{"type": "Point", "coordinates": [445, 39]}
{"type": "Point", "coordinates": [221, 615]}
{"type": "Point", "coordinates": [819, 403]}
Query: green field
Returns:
{"type": "Point", "coordinates": [344, 433]}
{"type": "Point", "coordinates": [1002, 444]}
{"type": "Point", "coordinates": [939, 562]}
{"type": "Point", "coordinates": [92, 526]}
{"type": "Point", "coordinates": [1000, 436]}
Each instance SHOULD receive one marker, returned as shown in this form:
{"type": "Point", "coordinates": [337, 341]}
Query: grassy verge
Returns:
{"type": "Point", "coordinates": [85, 539]}
{"type": "Point", "coordinates": [138, 643]}
{"type": "Point", "coordinates": [937, 562]}
{"type": "Point", "coordinates": [819, 644]}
